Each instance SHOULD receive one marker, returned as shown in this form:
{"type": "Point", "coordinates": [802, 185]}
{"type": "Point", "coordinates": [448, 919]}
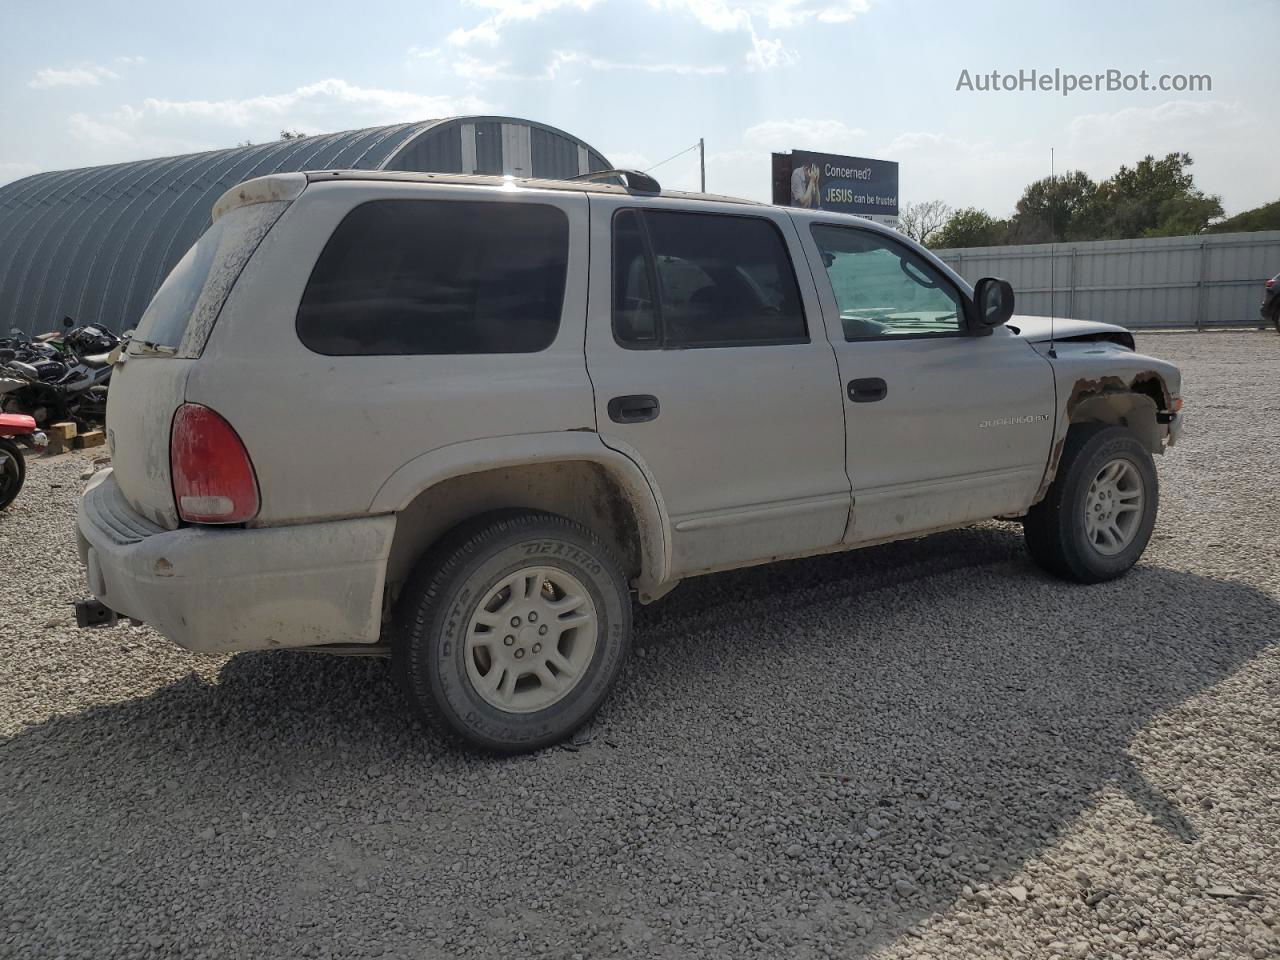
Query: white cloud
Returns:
{"type": "Point", "coordinates": [371, 104]}
{"type": "Point", "coordinates": [723, 15]}
{"type": "Point", "coordinates": [766, 54]}
{"type": "Point", "coordinates": [130, 61]}
{"type": "Point", "coordinates": [719, 16]}
{"type": "Point", "coordinates": [828, 135]}
{"type": "Point", "coordinates": [485, 32]}
{"type": "Point", "coordinates": [563, 58]}
{"type": "Point", "coordinates": [84, 127]}
{"type": "Point", "coordinates": [12, 170]}
{"type": "Point", "coordinates": [992, 174]}
{"type": "Point", "coordinates": [478, 70]}
{"type": "Point", "coordinates": [629, 159]}
{"type": "Point", "coordinates": [88, 76]}
{"type": "Point", "coordinates": [1212, 131]}
{"type": "Point", "coordinates": [963, 172]}
{"type": "Point", "coordinates": [157, 126]}
{"type": "Point", "coordinates": [488, 31]}
{"type": "Point", "coordinates": [788, 13]}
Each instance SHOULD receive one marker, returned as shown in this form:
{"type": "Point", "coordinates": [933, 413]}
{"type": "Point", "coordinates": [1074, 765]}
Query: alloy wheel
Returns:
{"type": "Point", "coordinates": [1113, 507]}
{"type": "Point", "coordinates": [531, 639]}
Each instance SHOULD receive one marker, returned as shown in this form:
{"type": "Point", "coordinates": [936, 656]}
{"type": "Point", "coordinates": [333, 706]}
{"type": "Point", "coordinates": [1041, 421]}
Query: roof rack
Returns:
{"type": "Point", "coordinates": [633, 180]}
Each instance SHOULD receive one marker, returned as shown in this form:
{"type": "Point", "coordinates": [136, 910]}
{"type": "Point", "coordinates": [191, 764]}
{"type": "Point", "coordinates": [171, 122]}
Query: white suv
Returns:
{"type": "Point", "coordinates": [461, 420]}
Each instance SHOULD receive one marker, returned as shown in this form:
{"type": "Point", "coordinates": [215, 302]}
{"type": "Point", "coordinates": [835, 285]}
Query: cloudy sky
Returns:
{"type": "Point", "coordinates": [85, 83]}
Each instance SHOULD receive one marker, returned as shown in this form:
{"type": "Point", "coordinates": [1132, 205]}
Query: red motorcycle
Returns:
{"type": "Point", "coordinates": [15, 429]}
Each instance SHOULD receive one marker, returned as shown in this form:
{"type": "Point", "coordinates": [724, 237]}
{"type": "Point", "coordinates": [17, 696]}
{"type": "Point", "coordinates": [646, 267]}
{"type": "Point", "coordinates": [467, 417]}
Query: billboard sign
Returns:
{"type": "Point", "coordinates": [828, 181]}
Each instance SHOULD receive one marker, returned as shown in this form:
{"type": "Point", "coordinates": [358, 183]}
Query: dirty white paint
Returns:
{"type": "Point", "coordinates": [215, 591]}
{"type": "Point", "coordinates": [363, 461]}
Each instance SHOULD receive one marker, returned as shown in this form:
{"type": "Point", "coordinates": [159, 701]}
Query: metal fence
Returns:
{"type": "Point", "coordinates": [1213, 280]}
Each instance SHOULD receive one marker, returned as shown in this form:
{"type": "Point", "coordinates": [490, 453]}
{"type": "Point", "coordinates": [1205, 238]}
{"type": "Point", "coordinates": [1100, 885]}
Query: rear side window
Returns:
{"type": "Point", "coordinates": [183, 310]}
{"type": "Point", "coordinates": [702, 280]}
{"type": "Point", "coordinates": [438, 277]}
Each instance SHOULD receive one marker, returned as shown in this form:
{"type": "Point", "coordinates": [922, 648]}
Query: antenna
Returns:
{"type": "Point", "coordinates": [1053, 253]}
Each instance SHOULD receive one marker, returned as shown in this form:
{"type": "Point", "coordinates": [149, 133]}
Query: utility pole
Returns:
{"type": "Point", "coordinates": [702, 162]}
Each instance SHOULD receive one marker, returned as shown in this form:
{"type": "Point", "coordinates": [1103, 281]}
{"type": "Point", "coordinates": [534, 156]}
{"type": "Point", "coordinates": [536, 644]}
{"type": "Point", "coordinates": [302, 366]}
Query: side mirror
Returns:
{"type": "Point", "coordinates": [993, 302]}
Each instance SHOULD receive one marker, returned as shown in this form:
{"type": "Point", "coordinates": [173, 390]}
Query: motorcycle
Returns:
{"type": "Point", "coordinates": [16, 431]}
{"type": "Point", "coordinates": [62, 379]}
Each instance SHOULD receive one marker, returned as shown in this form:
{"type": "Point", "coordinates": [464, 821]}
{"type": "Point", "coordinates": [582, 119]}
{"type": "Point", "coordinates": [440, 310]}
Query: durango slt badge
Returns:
{"type": "Point", "coordinates": [1010, 421]}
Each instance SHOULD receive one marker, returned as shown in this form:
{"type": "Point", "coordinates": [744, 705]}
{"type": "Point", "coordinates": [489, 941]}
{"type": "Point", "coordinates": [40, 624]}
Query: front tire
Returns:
{"type": "Point", "coordinates": [13, 471]}
{"type": "Point", "coordinates": [1098, 515]}
{"type": "Point", "coordinates": [513, 630]}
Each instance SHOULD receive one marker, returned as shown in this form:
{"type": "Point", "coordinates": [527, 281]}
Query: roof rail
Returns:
{"type": "Point", "coordinates": [633, 180]}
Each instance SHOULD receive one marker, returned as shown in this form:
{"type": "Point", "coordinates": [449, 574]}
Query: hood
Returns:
{"type": "Point", "coordinates": [1036, 329]}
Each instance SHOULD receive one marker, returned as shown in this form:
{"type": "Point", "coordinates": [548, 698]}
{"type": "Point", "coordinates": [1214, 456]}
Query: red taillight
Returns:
{"type": "Point", "coordinates": [213, 478]}
{"type": "Point", "coordinates": [1271, 283]}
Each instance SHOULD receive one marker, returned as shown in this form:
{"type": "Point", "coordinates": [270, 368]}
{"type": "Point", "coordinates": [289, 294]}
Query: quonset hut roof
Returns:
{"type": "Point", "coordinates": [95, 243]}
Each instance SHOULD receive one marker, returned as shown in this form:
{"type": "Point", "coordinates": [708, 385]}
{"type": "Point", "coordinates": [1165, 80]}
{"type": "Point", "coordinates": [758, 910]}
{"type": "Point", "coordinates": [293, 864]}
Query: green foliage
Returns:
{"type": "Point", "coordinates": [971, 227]}
{"type": "Point", "coordinates": [1051, 209]}
{"type": "Point", "coordinates": [1265, 217]}
{"type": "Point", "coordinates": [1153, 198]}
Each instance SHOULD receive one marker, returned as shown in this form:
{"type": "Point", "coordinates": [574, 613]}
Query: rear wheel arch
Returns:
{"type": "Point", "coordinates": [614, 502]}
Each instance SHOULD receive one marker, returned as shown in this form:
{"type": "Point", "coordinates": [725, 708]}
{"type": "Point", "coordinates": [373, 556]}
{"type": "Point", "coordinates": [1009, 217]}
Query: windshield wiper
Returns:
{"type": "Point", "coordinates": [151, 347]}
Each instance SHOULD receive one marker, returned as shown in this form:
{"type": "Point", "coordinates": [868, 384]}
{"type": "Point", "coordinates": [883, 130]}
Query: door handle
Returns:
{"type": "Point", "coordinates": [636, 408]}
{"type": "Point", "coordinates": [868, 390]}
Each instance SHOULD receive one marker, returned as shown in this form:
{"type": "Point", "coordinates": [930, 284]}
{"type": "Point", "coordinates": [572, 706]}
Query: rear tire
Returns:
{"type": "Point", "coordinates": [13, 471]}
{"type": "Point", "coordinates": [1098, 515]}
{"type": "Point", "coordinates": [513, 630]}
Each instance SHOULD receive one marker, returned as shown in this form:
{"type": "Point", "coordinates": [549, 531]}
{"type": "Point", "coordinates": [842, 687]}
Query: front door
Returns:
{"type": "Point", "coordinates": [711, 369]}
{"type": "Point", "coordinates": [944, 428]}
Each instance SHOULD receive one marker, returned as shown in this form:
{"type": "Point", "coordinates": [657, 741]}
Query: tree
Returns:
{"type": "Point", "coordinates": [1265, 217]}
{"type": "Point", "coordinates": [971, 227]}
{"type": "Point", "coordinates": [1052, 209]}
{"type": "Point", "coordinates": [920, 221]}
{"type": "Point", "coordinates": [1154, 198]}
{"type": "Point", "coordinates": [284, 135]}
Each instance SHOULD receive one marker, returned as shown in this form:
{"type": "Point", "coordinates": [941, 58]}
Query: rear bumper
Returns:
{"type": "Point", "coordinates": [223, 590]}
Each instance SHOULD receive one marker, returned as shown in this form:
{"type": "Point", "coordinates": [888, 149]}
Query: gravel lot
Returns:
{"type": "Point", "coordinates": [923, 749]}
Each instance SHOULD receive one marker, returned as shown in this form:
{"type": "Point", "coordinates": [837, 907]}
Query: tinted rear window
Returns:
{"type": "Point", "coordinates": [702, 280]}
{"type": "Point", "coordinates": [183, 310]}
{"type": "Point", "coordinates": [438, 277]}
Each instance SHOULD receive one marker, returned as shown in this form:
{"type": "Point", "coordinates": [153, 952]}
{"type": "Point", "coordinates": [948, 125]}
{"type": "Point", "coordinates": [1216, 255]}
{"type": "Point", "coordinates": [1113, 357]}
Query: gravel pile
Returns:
{"type": "Point", "coordinates": [923, 749]}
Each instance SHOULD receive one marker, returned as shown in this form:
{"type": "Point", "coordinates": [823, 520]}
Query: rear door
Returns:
{"type": "Point", "coordinates": [944, 428]}
{"type": "Point", "coordinates": [710, 368]}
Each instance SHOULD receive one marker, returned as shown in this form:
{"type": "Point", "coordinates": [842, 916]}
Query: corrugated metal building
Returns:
{"type": "Point", "coordinates": [1198, 281]}
{"type": "Point", "coordinates": [95, 243]}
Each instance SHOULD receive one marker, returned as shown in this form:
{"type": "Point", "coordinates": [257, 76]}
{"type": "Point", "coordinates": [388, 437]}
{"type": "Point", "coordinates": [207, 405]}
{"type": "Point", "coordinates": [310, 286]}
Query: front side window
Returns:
{"type": "Point", "coordinates": [438, 277]}
{"type": "Point", "coordinates": [884, 289]}
{"type": "Point", "coordinates": [702, 280]}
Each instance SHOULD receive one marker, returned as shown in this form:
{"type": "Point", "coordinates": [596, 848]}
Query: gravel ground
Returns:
{"type": "Point", "coordinates": [923, 749]}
